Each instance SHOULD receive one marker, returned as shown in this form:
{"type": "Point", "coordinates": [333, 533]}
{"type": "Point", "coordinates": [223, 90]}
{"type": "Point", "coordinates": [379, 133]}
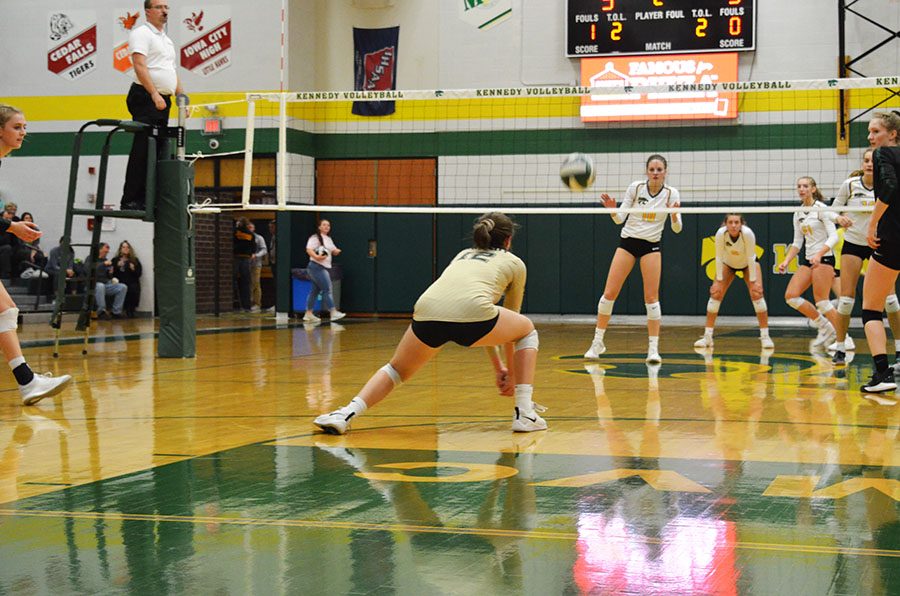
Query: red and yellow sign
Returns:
{"type": "Point", "coordinates": [674, 69]}
{"type": "Point", "coordinates": [125, 22]}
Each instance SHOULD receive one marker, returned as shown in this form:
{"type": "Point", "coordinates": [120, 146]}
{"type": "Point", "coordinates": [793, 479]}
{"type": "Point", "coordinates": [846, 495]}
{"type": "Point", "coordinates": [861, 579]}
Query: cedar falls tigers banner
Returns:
{"type": "Point", "coordinates": [375, 62]}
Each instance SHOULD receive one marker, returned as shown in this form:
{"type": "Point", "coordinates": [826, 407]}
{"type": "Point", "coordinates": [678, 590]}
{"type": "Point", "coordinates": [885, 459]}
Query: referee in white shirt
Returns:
{"type": "Point", "coordinates": [149, 99]}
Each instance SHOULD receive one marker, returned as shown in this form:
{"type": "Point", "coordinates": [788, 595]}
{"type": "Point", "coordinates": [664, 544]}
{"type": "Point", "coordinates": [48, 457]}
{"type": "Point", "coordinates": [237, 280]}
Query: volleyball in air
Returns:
{"type": "Point", "coordinates": [577, 171]}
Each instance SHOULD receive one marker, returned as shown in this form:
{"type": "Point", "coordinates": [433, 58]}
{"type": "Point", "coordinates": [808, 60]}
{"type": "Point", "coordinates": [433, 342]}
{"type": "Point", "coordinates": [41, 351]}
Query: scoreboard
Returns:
{"type": "Point", "coordinates": [609, 27]}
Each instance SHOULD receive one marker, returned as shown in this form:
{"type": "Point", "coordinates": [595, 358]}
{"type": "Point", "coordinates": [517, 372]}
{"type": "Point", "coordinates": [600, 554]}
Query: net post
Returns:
{"type": "Point", "coordinates": [248, 149]}
{"type": "Point", "coordinates": [281, 188]}
{"type": "Point", "coordinates": [181, 102]}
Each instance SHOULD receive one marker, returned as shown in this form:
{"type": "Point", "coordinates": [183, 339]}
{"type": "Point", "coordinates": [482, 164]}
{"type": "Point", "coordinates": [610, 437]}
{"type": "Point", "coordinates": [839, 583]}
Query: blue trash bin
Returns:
{"type": "Point", "coordinates": [301, 287]}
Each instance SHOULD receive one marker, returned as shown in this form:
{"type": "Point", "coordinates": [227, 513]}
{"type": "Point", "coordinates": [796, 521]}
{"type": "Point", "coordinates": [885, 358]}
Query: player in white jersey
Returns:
{"type": "Point", "coordinates": [461, 306]}
{"type": "Point", "coordinates": [816, 229]}
{"type": "Point", "coordinates": [858, 191]}
{"type": "Point", "coordinates": [736, 251]}
{"type": "Point", "coordinates": [639, 243]}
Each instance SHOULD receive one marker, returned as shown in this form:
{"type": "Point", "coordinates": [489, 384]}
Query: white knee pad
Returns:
{"type": "Point", "coordinates": [391, 372]}
{"type": "Point", "coordinates": [604, 307]}
{"type": "Point", "coordinates": [654, 312]}
{"type": "Point", "coordinates": [713, 305]}
{"type": "Point", "coordinates": [760, 305]}
{"type": "Point", "coordinates": [823, 306]}
{"type": "Point", "coordinates": [9, 320]}
{"type": "Point", "coordinates": [891, 304]}
{"type": "Point", "coordinates": [845, 305]}
{"type": "Point", "coordinates": [529, 342]}
{"type": "Point", "coordinates": [795, 303]}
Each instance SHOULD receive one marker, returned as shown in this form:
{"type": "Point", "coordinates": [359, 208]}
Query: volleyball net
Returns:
{"type": "Point", "coordinates": [729, 146]}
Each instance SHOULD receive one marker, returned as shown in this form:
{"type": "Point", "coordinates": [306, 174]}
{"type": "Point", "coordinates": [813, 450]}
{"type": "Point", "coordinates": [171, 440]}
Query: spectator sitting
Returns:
{"type": "Point", "coordinates": [128, 270]}
{"type": "Point", "coordinates": [8, 243]}
{"type": "Point", "coordinates": [73, 269]}
{"type": "Point", "coordinates": [10, 210]}
{"type": "Point", "coordinates": [29, 259]}
{"type": "Point", "coordinates": [107, 285]}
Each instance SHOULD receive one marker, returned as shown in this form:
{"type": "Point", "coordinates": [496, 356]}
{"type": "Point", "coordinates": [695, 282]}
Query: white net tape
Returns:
{"type": "Point", "coordinates": [473, 150]}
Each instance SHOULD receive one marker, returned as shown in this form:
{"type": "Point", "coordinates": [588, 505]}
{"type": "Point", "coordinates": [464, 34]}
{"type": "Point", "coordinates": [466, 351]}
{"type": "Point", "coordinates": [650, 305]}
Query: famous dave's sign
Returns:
{"type": "Point", "coordinates": [672, 69]}
{"type": "Point", "coordinates": [206, 32]}
{"type": "Point", "coordinates": [72, 43]}
{"type": "Point", "coordinates": [124, 21]}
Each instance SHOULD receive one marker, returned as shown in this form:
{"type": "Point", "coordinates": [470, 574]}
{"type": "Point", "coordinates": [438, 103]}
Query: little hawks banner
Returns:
{"type": "Point", "coordinates": [207, 30]}
{"type": "Point", "coordinates": [375, 61]}
{"type": "Point", "coordinates": [72, 43]}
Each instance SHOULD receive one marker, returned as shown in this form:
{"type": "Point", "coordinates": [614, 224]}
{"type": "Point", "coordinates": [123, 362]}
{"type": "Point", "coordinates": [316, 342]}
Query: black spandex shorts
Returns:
{"type": "Point", "coordinates": [888, 255]}
{"type": "Point", "coordinates": [829, 260]}
{"type": "Point", "coordinates": [637, 247]}
{"type": "Point", "coordinates": [436, 333]}
{"type": "Point", "coordinates": [753, 264]}
{"type": "Point", "coordinates": [863, 252]}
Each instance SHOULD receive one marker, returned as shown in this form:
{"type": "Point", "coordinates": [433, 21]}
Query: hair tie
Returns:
{"type": "Point", "coordinates": [488, 223]}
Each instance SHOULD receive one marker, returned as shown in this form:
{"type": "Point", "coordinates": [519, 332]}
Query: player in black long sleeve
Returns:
{"type": "Point", "coordinates": [883, 237]}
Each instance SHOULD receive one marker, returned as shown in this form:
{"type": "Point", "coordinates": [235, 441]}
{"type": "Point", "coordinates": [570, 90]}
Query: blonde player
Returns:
{"type": "Point", "coordinates": [816, 229]}
{"type": "Point", "coordinates": [736, 251]}
{"type": "Point", "coordinates": [32, 387]}
{"type": "Point", "coordinates": [639, 243]}
{"type": "Point", "coordinates": [857, 191]}
{"type": "Point", "coordinates": [461, 306]}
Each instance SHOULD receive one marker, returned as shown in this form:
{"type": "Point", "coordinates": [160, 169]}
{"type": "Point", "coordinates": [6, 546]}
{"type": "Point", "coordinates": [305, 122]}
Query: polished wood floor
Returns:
{"type": "Point", "coordinates": [722, 472]}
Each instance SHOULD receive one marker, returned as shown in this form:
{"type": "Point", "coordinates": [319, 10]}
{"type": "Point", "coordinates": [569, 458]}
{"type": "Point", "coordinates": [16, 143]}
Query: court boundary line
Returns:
{"type": "Point", "coordinates": [391, 527]}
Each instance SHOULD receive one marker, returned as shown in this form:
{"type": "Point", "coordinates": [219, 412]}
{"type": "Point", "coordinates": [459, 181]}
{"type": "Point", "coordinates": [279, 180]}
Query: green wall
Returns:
{"type": "Point", "coordinates": [567, 256]}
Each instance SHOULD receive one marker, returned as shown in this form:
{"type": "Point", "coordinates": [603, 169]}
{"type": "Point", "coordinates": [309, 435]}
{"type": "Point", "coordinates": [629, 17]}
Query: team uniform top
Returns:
{"type": "Point", "coordinates": [329, 245]}
{"type": "Point", "coordinates": [645, 226]}
{"type": "Point", "coordinates": [854, 193]}
{"type": "Point", "coordinates": [738, 254]}
{"type": "Point", "coordinates": [817, 229]}
{"type": "Point", "coordinates": [887, 190]}
{"type": "Point", "coordinates": [470, 287]}
{"type": "Point", "coordinates": [159, 51]}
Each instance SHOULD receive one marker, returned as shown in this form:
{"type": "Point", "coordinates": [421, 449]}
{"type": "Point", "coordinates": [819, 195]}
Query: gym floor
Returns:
{"type": "Point", "coordinates": [723, 472]}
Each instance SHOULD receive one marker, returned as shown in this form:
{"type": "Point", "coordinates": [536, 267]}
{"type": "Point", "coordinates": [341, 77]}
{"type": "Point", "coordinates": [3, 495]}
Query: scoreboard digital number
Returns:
{"type": "Point", "coordinates": [606, 27]}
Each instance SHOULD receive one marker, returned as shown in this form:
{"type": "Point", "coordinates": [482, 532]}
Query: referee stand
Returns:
{"type": "Point", "coordinates": [170, 189]}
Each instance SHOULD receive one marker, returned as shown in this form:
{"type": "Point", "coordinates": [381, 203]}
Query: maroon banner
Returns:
{"type": "Point", "coordinates": [73, 51]}
{"type": "Point", "coordinates": [207, 46]}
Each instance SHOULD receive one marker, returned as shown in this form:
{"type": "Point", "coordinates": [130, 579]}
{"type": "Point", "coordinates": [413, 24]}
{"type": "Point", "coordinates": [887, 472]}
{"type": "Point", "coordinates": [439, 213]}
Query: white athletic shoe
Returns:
{"type": "Point", "coordinates": [849, 345]}
{"type": "Point", "coordinates": [825, 335]}
{"type": "Point", "coordinates": [767, 343]}
{"type": "Point", "coordinates": [311, 318]}
{"type": "Point", "coordinates": [42, 386]}
{"type": "Point", "coordinates": [337, 315]}
{"type": "Point", "coordinates": [653, 356]}
{"type": "Point", "coordinates": [704, 342]}
{"type": "Point", "coordinates": [597, 348]}
{"type": "Point", "coordinates": [335, 423]}
{"type": "Point", "coordinates": [526, 422]}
